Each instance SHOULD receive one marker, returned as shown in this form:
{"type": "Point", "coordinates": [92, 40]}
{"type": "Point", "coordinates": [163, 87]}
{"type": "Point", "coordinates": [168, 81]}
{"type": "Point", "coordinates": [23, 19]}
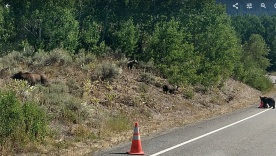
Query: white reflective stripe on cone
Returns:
{"type": "Point", "coordinates": [136, 137]}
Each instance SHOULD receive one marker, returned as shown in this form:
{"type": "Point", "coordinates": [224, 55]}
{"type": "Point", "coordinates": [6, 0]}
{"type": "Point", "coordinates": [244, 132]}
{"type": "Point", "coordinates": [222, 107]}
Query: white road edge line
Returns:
{"type": "Point", "coordinates": [204, 135]}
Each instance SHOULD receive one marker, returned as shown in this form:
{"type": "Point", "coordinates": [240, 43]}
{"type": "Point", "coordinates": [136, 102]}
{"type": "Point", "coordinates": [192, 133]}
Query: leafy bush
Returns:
{"type": "Point", "coordinates": [59, 56]}
{"type": "Point", "coordinates": [20, 122]}
{"type": "Point", "coordinates": [107, 71]}
{"type": "Point", "coordinates": [17, 56]}
{"type": "Point", "coordinates": [55, 57]}
{"type": "Point", "coordinates": [83, 58]}
{"type": "Point", "coordinates": [35, 120]}
{"type": "Point", "coordinates": [71, 111]}
{"type": "Point", "coordinates": [39, 58]}
{"type": "Point", "coordinates": [74, 88]}
{"type": "Point", "coordinates": [147, 78]}
{"type": "Point", "coordinates": [260, 82]}
{"type": "Point", "coordinates": [11, 118]}
{"type": "Point", "coordinates": [12, 59]}
{"type": "Point", "coordinates": [126, 37]}
{"type": "Point", "coordinates": [254, 77]}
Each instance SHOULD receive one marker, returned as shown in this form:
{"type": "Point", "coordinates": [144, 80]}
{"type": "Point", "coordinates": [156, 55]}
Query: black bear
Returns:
{"type": "Point", "coordinates": [31, 78]}
{"type": "Point", "coordinates": [131, 63]}
{"type": "Point", "coordinates": [268, 101]}
{"type": "Point", "coordinates": [170, 89]}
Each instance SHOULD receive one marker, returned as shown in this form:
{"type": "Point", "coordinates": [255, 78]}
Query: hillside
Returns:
{"type": "Point", "coordinates": [87, 114]}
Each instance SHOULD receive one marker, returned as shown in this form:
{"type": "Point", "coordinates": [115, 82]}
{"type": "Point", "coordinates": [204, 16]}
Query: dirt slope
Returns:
{"type": "Point", "coordinates": [138, 96]}
{"type": "Point", "coordinates": [156, 111]}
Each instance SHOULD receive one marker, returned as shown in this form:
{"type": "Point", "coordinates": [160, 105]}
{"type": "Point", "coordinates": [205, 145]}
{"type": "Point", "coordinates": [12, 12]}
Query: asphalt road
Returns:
{"type": "Point", "coordinates": [246, 132]}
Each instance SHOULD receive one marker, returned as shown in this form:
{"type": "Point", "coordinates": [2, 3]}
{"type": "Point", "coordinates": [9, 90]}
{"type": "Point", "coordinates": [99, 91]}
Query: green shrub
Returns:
{"type": "Point", "coordinates": [12, 59]}
{"type": "Point", "coordinates": [20, 122]}
{"type": "Point", "coordinates": [83, 58]}
{"type": "Point", "coordinates": [35, 120]}
{"type": "Point", "coordinates": [54, 57]}
{"type": "Point", "coordinates": [40, 58]}
{"type": "Point", "coordinates": [107, 71]}
{"type": "Point", "coordinates": [60, 57]}
{"type": "Point", "coordinates": [72, 111]}
{"type": "Point", "coordinates": [260, 82]}
{"type": "Point", "coordinates": [17, 56]}
{"type": "Point", "coordinates": [147, 78]}
{"type": "Point", "coordinates": [11, 117]}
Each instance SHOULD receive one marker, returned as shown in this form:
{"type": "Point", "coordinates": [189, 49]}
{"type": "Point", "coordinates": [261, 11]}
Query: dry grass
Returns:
{"type": "Point", "coordinates": [89, 114]}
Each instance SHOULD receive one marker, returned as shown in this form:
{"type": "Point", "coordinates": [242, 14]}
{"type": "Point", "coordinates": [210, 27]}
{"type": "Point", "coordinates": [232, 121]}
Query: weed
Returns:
{"type": "Point", "coordinates": [118, 123]}
{"type": "Point", "coordinates": [81, 132]}
{"type": "Point", "coordinates": [74, 88]}
{"type": "Point", "coordinates": [69, 116]}
{"type": "Point", "coordinates": [95, 100]}
{"type": "Point", "coordinates": [111, 97]}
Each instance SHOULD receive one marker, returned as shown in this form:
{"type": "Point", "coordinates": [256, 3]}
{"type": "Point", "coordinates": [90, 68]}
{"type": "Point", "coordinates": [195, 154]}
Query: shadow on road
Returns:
{"type": "Point", "coordinates": [119, 153]}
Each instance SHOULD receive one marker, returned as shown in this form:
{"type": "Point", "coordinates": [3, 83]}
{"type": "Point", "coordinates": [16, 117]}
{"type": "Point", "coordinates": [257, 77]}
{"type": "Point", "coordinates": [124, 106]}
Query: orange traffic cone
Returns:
{"type": "Point", "coordinates": [136, 146]}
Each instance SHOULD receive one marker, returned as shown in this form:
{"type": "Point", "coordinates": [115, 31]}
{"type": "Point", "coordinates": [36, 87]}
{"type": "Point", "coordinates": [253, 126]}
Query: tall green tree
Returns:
{"type": "Point", "coordinates": [272, 55]}
{"type": "Point", "coordinates": [174, 56]}
{"type": "Point", "coordinates": [215, 43]}
{"type": "Point", "coordinates": [126, 37]}
{"type": "Point", "coordinates": [246, 25]}
{"type": "Point", "coordinates": [254, 62]}
{"type": "Point", "coordinates": [255, 53]}
{"type": "Point", "coordinates": [269, 23]}
{"type": "Point", "coordinates": [7, 29]}
{"type": "Point", "coordinates": [89, 34]}
{"type": "Point", "coordinates": [59, 28]}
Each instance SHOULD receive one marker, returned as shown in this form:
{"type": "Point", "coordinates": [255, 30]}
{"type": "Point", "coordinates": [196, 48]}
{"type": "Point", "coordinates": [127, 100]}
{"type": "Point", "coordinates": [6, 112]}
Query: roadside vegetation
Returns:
{"type": "Point", "coordinates": [92, 96]}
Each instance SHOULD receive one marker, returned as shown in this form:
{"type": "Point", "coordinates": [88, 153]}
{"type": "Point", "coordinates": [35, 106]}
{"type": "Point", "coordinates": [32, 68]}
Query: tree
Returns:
{"type": "Point", "coordinates": [269, 23]}
{"type": "Point", "coordinates": [6, 29]}
{"type": "Point", "coordinates": [215, 43]}
{"type": "Point", "coordinates": [90, 34]}
{"type": "Point", "coordinates": [254, 62]}
{"type": "Point", "coordinates": [126, 37]}
{"type": "Point", "coordinates": [272, 55]}
{"type": "Point", "coordinates": [59, 28]}
{"type": "Point", "coordinates": [174, 56]}
{"type": "Point", "coordinates": [247, 25]}
{"type": "Point", "coordinates": [255, 53]}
